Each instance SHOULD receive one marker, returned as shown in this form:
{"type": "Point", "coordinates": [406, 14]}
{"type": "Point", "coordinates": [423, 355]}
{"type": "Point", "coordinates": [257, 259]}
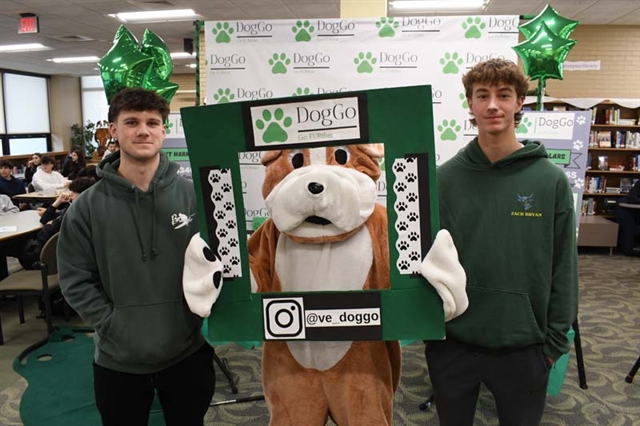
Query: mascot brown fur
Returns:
{"type": "Point", "coordinates": [326, 232]}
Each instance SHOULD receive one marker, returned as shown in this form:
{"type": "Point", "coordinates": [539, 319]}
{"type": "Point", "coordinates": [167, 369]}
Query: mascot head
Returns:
{"type": "Point", "coordinates": [321, 194]}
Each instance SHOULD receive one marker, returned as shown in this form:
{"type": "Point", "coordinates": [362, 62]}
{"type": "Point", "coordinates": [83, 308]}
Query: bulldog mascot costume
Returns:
{"type": "Point", "coordinates": [326, 233]}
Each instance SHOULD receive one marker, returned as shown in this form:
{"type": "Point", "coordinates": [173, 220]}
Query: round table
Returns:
{"type": "Point", "coordinates": [12, 227]}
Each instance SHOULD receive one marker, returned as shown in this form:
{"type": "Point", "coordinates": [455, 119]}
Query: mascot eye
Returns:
{"type": "Point", "coordinates": [296, 159]}
{"type": "Point", "coordinates": [341, 155]}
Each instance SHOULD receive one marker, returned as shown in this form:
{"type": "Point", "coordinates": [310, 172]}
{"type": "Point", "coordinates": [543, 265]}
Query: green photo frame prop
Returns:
{"type": "Point", "coordinates": [401, 119]}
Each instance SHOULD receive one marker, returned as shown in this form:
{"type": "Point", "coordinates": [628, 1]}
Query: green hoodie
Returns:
{"type": "Point", "coordinates": [513, 224]}
{"type": "Point", "coordinates": [120, 259]}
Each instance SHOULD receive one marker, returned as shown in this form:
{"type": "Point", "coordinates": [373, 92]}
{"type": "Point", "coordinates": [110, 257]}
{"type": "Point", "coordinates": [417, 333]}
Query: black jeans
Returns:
{"type": "Point", "coordinates": [184, 390]}
{"type": "Point", "coordinates": [517, 378]}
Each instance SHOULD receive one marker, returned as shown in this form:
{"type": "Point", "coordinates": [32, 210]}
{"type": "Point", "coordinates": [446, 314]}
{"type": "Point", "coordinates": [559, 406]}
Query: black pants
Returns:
{"type": "Point", "coordinates": [184, 391]}
{"type": "Point", "coordinates": [517, 377]}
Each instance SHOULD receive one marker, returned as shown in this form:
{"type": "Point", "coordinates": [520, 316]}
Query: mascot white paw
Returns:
{"type": "Point", "coordinates": [201, 277]}
{"type": "Point", "coordinates": [444, 272]}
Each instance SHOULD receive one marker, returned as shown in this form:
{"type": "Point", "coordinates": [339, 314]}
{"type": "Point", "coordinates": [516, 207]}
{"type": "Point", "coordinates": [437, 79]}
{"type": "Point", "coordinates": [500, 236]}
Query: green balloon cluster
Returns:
{"type": "Point", "coordinates": [129, 64]}
{"type": "Point", "coordinates": [547, 44]}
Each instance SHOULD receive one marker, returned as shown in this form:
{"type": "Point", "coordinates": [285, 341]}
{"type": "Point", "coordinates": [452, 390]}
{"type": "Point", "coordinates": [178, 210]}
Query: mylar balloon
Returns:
{"type": "Point", "coordinates": [544, 53]}
{"type": "Point", "coordinates": [123, 66]}
{"type": "Point", "coordinates": [166, 89]}
{"type": "Point", "coordinates": [563, 27]}
{"type": "Point", "coordinates": [154, 46]}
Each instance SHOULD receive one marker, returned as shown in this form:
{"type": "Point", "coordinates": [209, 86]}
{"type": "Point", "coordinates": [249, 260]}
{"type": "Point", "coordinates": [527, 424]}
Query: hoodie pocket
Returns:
{"type": "Point", "coordinates": [497, 318]}
{"type": "Point", "coordinates": [149, 334]}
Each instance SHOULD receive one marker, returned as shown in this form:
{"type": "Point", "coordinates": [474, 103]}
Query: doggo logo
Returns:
{"type": "Point", "coordinates": [451, 63]}
{"type": "Point", "coordinates": [277, 122]}
{"type": "Point", "coordinates": [253, 31]}
{"type": "Point", "coordinates": [473, 27]}
{"type": "Point", "coordinates": [279, 63]}
{"type": "Point", "coordinates": [283, 318]}
{"type": "Point", "coordinates": [303, 31]}
{"type": "Point", "coordinates": [387, 27]}
{"type": "Point", "coordinates": [364, 62]}
{"type": "Point", "coordinates": [230, 62]}
{"type": "Point", "coordinates": [524, 126]}
{"type": "Point", "coordinates": [252, 94]}
{"type": "Point", "coordinates": [335, 28]}
{"type": "Point", "coordinates": [398, 60]}
{"type": "Point", "coordinates": [448, 130]}
{"type": "Point", "coordinates": [222, 31]}
{"type": "Point", "coordinates": [223, 96]}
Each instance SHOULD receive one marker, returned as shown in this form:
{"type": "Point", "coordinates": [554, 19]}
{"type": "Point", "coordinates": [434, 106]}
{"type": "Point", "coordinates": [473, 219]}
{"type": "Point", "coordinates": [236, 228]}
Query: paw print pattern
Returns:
{"type": "Point", "coordinates": [234, 260]}
{"type": "Point", "coordinates": [224, 171]}
{"type": "Point", "coordinates": [279, 63]}
{"type": "Point", "coordinates": [227, 270]}
{"type": "Point", "coordinates": [404, 265]}
{"type": "Point", "coordinates": [413, 217]}
{"type": "Point", "coordinates": [214, 178]}
{"type": "Point", "coordinates": [223, 96]}
{"type": "Point", "coordinates": [233, 242]}
{"type": "Point", "coordinates": [231, 224]}
{"type": "Point", "coordinates": [411, 197]}
{"type": "Point", "coordinates": [220, 214]}
{"type": "Point", "coordinates": [581, 120]}
{"type": "Point", "coordinates": [402, 226]}
{"type": "Point", "coordinates": [224, 251]}
{"type": "Point", "coordinates": [411, 177]}
{"type": "Point", "coordinates": [403, 245]}
{"type": "Point", "coordinates": [451, 63]}
{"type": "Point", "coordinates": [222, 233]}
{"type": "Point", "coordinates": [578, 144]}
{"type": "Point", "coordinates": [222, 31]}
{"type": "Point", "coordinates": [407, 223]}
{"type": "Point", "coordinates": [410, 159]}
{"type": "Point", "coordinates": [414, 255]}
{"type": "Point", "coordinates": [364, 62]}
{"type": "Point", "coordinates": [473, 27]}
{"type": "Point", "coordinates": [217, 196]}
{"type": "Point", "coordinates": [401, 206]}
{"type": "Point", "coordinates": [226, 187]}
{"type": "Point", "coordinates": [399, 167]}
{"type": "Point", "coordinates": [413, 236]}
{"type": "Point", "coordinates": [228, 206]}
{"type": "Point", "coordinates": [400, 187]}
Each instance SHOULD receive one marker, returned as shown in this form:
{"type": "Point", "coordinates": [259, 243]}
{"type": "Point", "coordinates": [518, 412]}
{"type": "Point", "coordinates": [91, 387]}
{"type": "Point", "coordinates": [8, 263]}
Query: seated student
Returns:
{"type": "Point", "coordinates": [112, 146]}
{"type": "Point", "coordinates": [77, 162]}
{"type": "Point", "coordinates": [90, 172]}
{"type": "Point", "coordinates": [9, 184]}
{"type": "Point", "coordinates": [32, 167]}
{"type": "Point", "coordinates": [46, 179]}
{"type": "Point", "coordinates": [51, 219]}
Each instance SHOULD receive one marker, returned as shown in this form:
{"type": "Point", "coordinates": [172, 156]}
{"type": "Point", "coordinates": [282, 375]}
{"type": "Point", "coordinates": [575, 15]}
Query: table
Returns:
{"type": "Point", "coordinates": [34, 197]}
{"type": "Point", "coordinates": [13, 227]}
{"type": "Point", "coordinates": [597, 231]}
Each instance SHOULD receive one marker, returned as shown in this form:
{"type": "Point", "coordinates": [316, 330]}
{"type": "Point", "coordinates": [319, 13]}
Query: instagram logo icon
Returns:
{"type": "Point", "coordinates": [284, 318]}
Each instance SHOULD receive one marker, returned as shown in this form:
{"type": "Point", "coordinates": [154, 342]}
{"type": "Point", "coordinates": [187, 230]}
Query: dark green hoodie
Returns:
{"type": "Point", "coordinates": [120, 258]}
{"type": "Point", "coordinates": [513, 224]}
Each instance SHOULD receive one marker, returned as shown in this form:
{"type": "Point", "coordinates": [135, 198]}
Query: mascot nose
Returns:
{"type": "Point", "coordinates": [315, 188]}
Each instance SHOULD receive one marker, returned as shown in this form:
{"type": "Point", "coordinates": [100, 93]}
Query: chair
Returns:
{"type": "Point", "coordinates": [39, 283]}
{"type": "Point", "coordinates": [628, 217]}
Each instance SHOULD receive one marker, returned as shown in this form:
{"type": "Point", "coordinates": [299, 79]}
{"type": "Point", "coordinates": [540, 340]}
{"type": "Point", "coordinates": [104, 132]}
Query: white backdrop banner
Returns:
{"type": "Point", "coordinates": [248, 60]}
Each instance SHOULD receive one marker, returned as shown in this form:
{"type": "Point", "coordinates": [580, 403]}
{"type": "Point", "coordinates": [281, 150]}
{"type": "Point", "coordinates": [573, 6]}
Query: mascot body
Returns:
{"type": "Point", "coordinates": [326, 233]}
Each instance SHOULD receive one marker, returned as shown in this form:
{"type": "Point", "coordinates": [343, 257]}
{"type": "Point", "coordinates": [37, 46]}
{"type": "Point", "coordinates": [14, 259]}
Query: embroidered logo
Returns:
{"type": "Point", "coordinates": [526, 201]}
{"type": "Point", "coordinates": [180, 220]}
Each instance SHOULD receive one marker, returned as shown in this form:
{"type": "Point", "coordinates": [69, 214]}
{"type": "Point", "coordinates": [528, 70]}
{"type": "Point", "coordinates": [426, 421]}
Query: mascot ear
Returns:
{"type": "Point", "coordinates": [269, 156]}
{"type": "Point", "coordinates": [373, 150]}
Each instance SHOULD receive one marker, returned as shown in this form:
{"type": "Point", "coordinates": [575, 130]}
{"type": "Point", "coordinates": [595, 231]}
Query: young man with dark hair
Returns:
{"type": "Point", "coordinates": [510, 213]}
{"type": "Point", "coordinates": [9, 184]}
{"type": "Point", "coordinates": [126, 280]}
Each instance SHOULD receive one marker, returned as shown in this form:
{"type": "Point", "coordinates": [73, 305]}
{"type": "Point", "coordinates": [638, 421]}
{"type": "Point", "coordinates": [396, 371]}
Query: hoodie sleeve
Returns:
{"type": "Point", "coordinates": [563, 303]}
{"type": "Point", "coordinates": [78, 271]}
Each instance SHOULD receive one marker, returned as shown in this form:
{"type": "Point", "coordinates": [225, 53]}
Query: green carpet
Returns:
{"type": "Point", "coordinates": [60, 377]}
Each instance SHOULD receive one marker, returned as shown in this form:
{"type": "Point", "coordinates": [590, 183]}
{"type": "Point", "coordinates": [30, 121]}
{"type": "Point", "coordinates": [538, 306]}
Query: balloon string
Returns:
{"type": "Point", "coordinates": [541, 82]}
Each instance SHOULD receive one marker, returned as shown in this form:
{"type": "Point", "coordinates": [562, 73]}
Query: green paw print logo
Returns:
{"type": "Point", "coordinates": [222, 31]}
{"type": "Point", "coordinates": [276, 124]}
{"type": "Point", "coordinates": [302, 91]}
{"type": "Point", "coordinates": [168, 125]}
{"type": "Point", "coordinates": [279, 63]}
{"type": "Point", "coordinates": [364, 62]}
{"type": "Point", "coordinates": [303, 30]}
{"type": "Point", "coordinates": [223, 96]}
{"type": "Point", "coordinates": [524, 126]}
{"type": "Point", "coordinates": [448, 130]}
{"type": "Point", "coordinates": [463, 98]}
{"type": "Point", "coordinates": [473, 27]}
{"type": "Point", "coordinates": [387, 27]}
{"type": "Point", "coordinates": [451, 63]}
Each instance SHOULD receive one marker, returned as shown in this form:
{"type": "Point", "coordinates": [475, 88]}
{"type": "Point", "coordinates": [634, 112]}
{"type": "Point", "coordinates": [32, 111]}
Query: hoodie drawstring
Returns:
{"type": "Point", "coordinates": [154, 240]}
{"type": "Point", "coordinates": [135, 212]}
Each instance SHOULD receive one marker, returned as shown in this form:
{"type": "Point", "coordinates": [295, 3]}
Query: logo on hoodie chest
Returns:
{"type": "Point", "coordinates": [527, 203]}
{"type": "Point", "coordinates": [180, 220]}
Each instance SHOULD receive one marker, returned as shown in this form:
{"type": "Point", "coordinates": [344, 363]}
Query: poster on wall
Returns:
{"type": "Point", "coordinates": [175, 145]}
{"type": "Point", "coordinates": [322, 158]}
{"type": "Point", "coordinates": [253, 60]}
{"type": "Point", "coordinates": [565, 135]}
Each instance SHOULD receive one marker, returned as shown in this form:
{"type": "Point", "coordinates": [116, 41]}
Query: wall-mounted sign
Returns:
{"type": "Point", "coordinates": [28, 24]}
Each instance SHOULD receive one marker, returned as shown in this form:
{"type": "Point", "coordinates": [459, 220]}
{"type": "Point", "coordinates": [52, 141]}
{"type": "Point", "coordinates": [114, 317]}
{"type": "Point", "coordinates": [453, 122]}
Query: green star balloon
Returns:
{"type": "Point", "coordinates": [544, 53]}
{"type": "Point", "coordinates": [127, 64]}
{"type": "Point", "coordinates": [563, 27]}
{"type": "Point", "coordinates": [154, 46]}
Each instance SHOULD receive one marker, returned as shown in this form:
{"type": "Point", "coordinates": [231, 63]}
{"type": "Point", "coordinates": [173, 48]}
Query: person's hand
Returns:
{"type": "Point", "coordinates": [201, 277]}
{"type": "Point", "coordinates": [30, 163]}
{"type": "Point", "coordinates": [444, 272]}
{"type": "Point", "coordinates": [41, 211]}
{"type": "Point", "coordinates": [67, 183]}
{"type": "Point", "coordinates": [65, 197]}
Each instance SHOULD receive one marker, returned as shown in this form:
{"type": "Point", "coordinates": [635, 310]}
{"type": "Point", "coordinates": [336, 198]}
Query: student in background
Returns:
{"type": "Point", "coordinates": [77, 163]}
{"type": "Point", "coordinates": [510, 213]}
{"type": "Point", "coordinates": [112, 147]}
{"type": "Point", "coordinates": [147, 340]}
{"type": "Point", "coordinates": [46, 179]}
{"type": "Point", "coordinates": [9, 184]}
{"type": "Point", "coordinates": [32, 167]}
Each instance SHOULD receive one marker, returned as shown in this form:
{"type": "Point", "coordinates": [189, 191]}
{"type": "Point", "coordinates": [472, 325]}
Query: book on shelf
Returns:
{"type": "Point", "coordinates": [596, 184]}
{"type": "Point", "coordinates": [589, 160]}
{"type": "Point", "coordinates": [603, 139]}
{"type": "Point", "coordinates": [634, 162]}
{"type": "Point", "coordinates": [603, 162]}
{"type": "Point", "coordinates": [588, 207]}
{"type": "Point", "coordinates": [612, 190]}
